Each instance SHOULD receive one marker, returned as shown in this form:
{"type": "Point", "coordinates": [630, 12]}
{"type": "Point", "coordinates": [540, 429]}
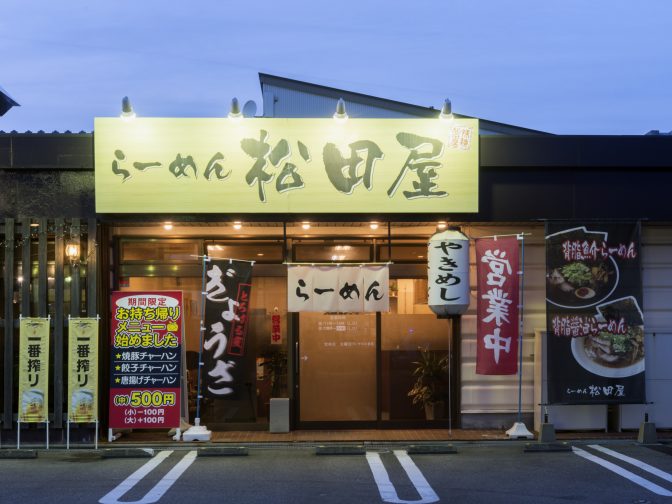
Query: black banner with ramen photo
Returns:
{"type": "Point", "coordinates": [595, 342]}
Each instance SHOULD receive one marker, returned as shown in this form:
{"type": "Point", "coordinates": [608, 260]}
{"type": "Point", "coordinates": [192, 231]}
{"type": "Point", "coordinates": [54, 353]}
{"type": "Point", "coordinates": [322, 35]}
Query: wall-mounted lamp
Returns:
{"type": "Point", "coordinates": [234, 112]}
{"type": "Point", "coordinates": [341, 115]}
{"type": "Point", "coordinates": [237, 225]}
{"type": "Point", "coordinates": [373, 225]}
{"type": "Point", "coordinates": [446, 111]}
{"type": "Point", "coordinates": [305, 225]}
{"type": "Point", "coordinates": [168, 226]}
{"type": "Point", "coordinates": [72, 252]}
{"type": "Point", "coordinates": [127, 112]}
{"type": "Point", "coordinates": [441, 225]}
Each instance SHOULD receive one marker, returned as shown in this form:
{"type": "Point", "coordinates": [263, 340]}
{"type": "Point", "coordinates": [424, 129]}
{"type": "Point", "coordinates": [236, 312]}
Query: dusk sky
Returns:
{"type": "Point", "coordinates": [562, 66]}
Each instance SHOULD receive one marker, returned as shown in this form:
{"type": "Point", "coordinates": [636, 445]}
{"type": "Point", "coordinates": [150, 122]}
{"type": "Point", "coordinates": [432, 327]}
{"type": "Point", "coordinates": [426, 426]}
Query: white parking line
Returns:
{"type": "Point", "coordinates": [623, 472]}
{"type": "Point", "coordinates": [637, 463]}
{"type": "Point", "coordinates": [159, 489]}
{"type": "Point", "coordinates": [385, 486]}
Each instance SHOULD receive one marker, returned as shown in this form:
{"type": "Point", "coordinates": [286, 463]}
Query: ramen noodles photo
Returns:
{"type": "Point", "coordinates": [616, 350]}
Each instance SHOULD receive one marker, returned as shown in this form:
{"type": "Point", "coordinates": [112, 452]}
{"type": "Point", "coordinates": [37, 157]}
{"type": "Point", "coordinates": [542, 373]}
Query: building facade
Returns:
{"type": "Point", "coordinates": [339, 370]}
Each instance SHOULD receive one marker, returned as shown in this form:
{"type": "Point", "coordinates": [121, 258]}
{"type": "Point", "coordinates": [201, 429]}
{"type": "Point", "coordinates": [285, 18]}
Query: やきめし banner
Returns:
{"type": "Point", "coordinates": [33, 369]}
{"type": "Point", "coordinates": [497, 308]}
{"type": "Point", "coordinates": [146, 359]}
{"type": "Point", "coordinates": [273, 165]}
{"type": "Point", "coordinates": [595, 325]}
{"type": "Point", "coordinates": [82, 370]}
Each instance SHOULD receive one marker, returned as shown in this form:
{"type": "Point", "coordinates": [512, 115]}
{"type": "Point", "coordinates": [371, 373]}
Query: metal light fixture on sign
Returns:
{"type": "Point", "coordinates": [234, 112]}
{"type": "Point", "coordinates": [127, 112]}
{"type": "Point", "coordinates": [341, 115]}
{"type": "Point", "coordinates": [446, 111]}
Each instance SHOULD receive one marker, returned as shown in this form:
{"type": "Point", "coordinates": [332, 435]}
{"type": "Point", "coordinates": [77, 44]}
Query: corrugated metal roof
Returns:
{"type": "Point", "coordinates": [285, 97]}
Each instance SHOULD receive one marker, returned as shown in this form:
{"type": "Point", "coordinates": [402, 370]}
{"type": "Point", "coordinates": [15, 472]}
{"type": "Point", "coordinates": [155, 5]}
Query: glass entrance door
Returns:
{"type": "Point", "coordinates": [337, 367]}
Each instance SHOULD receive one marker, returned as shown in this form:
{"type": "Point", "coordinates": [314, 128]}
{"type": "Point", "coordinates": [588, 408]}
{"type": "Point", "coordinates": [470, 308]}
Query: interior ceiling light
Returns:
{"type": "Point", "coordinates": [446, 111]}
{"type": "Point", "coordinates": [234, 111]}
{"type": "Point", "coordinates": [341, 115]}
{"type": "Point", "coordinates": [237, 225]}
{"type": "Point", "coordinates": [127, 112]}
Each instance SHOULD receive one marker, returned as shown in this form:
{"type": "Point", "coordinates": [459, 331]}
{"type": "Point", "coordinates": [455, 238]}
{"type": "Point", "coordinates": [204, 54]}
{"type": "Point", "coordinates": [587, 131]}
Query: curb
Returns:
{"type": "Point", "coordinates": [230, 451]}
{"type": "Point", "coordinates": [547, 447]}
{"type": "Point", "coordinates": [430, 449]}
{"type": "Point", "coordinates": [340, 450]}
{"type": "Point", "coordinates": [126, 453]}
{"type": "Point", "coordinates": [18, 454]}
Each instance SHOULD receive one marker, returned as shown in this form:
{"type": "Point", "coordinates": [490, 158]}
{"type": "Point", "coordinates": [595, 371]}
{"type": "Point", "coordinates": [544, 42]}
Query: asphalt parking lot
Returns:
{"type": "Point", "coordinates": [499, 472]}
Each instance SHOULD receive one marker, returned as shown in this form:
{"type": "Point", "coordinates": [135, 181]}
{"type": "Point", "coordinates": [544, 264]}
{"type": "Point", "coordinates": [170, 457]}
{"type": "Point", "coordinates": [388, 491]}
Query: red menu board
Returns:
{"type": "Point", "coordinates": [145, 353]}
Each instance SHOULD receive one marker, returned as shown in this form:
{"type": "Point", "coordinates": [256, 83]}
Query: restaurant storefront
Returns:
{"type": "Point", "coordinates": [338, 369]}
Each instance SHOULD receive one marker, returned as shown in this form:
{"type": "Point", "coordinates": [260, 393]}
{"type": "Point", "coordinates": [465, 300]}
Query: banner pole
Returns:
{"type": "Point", "coordinates": [200, 345]}
{"type": "Point", "coordinates": [519, 430]}
{"type": "Point", "coordinates": [520, 329]}
{"type": "Point", "coordinates": [199, 432]}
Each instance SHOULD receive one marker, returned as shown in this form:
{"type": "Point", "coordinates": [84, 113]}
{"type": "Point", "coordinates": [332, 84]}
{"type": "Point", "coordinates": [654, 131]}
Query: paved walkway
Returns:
{"type": "Point", "coordinates": [375, 435]}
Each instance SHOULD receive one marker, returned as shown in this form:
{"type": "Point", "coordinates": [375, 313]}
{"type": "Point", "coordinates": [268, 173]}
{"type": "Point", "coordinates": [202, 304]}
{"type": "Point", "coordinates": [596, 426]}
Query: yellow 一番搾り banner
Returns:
{"type": "Point", "coordinates": [83, 370]}
{"type": "Point", "coordinates": [33, 370]}
{"type": "Point", "coordinates": [273, 165]}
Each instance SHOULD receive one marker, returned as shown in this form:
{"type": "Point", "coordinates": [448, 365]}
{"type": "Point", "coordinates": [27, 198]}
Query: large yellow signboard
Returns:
{"type": "Point", "coordinates": [257, 165]}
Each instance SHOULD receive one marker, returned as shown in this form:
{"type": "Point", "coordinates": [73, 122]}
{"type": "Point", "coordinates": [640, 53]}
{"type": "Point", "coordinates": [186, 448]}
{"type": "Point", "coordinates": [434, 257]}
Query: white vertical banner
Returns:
{"type": "Point", "coordinates": [350, 289]}
{"type": "Point", "coordinates": [376, 288]}
{"type": "Point", "coordinates": [299, 288]}
{"type": "Point", "coordinates": [324, 289]}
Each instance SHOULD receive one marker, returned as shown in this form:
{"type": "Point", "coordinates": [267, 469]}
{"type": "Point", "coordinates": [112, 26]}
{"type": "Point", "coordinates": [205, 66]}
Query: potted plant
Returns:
{"type": "Point", "coordinates": [276, 364]}
{"type": "Point", "coordinates": [428, 388]}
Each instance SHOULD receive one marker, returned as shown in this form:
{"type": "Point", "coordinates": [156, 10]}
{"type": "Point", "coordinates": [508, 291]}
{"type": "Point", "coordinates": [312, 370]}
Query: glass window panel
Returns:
{"type": "Point", "coordinates": [337, 366]}
{"type": "Point", "coordinates": [159, 251]}
{"type": "Point", "coordinates": [409, 326]}
{"type": "Point", "coordinates": [262, 252]}
{"type": "Point", "coordinates": [265, 362]}
{"type": "Point", "coordinates": [332, 252]}
{"type": "Point", "coordinates": [415, 252]}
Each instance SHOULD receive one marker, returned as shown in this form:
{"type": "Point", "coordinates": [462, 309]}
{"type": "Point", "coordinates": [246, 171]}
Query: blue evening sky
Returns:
{"type": "Point", "coordinates": [563, 66]}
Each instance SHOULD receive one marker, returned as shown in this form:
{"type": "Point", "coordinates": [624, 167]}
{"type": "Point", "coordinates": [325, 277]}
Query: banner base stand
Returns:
{"type": "Point", "coordinates": [647, 433]}
{"type": "Point", "coordinates": [197, 432]}
{"type": "Point", "coordinates": [519, 431]}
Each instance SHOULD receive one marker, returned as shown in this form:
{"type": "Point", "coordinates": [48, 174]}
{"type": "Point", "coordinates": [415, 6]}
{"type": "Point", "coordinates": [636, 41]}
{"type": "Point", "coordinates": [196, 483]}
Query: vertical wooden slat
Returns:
{"type": "Point", "coordinates": [75, 296]}
{"type": "Point", "coordinates": [59, 280]}
{"type": "Point", "coordinates": [42, 265]}
{"type": "Point", "coordinates": [25, 267]}
{"type": "Point", "coordinates": [92, 270]}
{"type": "Point", "coordinates": [8, 273]}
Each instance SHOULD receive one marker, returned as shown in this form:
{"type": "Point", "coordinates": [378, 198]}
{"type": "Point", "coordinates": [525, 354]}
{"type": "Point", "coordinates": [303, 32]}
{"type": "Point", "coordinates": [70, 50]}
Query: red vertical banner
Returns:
{"type": "Point", "coordinates": [497, 311]}
{"type": "Point", "coordinates": [146, 357]}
